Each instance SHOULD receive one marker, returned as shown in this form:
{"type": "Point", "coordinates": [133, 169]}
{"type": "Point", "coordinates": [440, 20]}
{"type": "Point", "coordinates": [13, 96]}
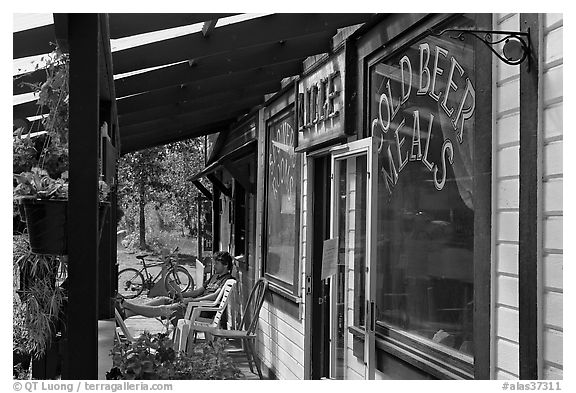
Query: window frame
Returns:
{"type": "Point", "coordinates": [275, 114]}
{"type": "Point", "coordinates": [419, 352]}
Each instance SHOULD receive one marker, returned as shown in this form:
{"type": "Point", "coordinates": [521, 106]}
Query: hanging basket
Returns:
{"type": "Point", "coordinates": [47, 222]}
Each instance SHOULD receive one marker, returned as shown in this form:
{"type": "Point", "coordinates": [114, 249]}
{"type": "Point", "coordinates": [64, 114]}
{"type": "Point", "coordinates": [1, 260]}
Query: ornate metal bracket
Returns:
{"type": "Point", "coordinates": [516, 43]}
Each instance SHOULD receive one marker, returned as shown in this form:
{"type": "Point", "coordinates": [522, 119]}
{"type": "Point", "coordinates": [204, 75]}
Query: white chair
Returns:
{"type": "Point", "coordinates": [246, 332]}
{"type": "Point", "coordinates": [199, 273]}
{"type": "Point", "coordinates": [192, 319]}
{"type": "Point", "coordinates": [122, 331]}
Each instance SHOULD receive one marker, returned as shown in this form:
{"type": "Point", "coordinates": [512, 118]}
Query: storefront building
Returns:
{"type": "Point", "coordinates": [403, 196]}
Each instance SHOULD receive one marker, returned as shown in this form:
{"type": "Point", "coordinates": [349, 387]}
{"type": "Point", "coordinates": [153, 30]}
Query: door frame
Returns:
{"type": "Point", "coordinates": [365, 147]}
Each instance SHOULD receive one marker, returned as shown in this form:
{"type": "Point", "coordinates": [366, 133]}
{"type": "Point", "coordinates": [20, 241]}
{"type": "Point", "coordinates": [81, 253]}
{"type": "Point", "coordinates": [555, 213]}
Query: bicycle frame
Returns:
{"type": "Point", "coordinates": [148, 277]}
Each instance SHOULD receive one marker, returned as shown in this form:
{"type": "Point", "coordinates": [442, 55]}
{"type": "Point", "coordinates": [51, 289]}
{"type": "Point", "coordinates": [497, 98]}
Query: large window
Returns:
{"type": "Point", "coordinates": [422, 109]}
{"type": "Point", "coordinates": [282, 205]}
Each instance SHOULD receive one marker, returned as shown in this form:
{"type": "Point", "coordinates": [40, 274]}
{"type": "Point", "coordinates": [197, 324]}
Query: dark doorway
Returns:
{"type": "Point", "coordinates": [320, 340]}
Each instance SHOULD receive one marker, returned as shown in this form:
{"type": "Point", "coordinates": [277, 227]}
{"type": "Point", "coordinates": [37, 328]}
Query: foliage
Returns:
{"type": "Point", "coordinates": [160, 177]}
{"type": "Point", "coordinates": [152, 357]}
{"type": "Point", "coordinates": [183, 160]}
{"type": "Point", "coordinates": [38, 184]}
{"type": "Point", "coordinates": [21, 373]}
{"type": "Point", "coordinates": [37, 300]}
{"type": "Point", "coordinates": [139, 176]}
{"type": "Point", "coordinates": [51, 151]}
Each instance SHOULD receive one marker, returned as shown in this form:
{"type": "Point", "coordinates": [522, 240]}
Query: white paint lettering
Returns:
{"type": "Point", "coordinates": [399, 143]}
{"type": "Point", "coordinates": [446, 148]}
{"type": "Point", "coordinates": [465, 113]}
{"type": "Point", "coordinates": [405, 62]}
{"type": "Point", "coordinates": [428, 164]}
{"type": "Point", "coordinates": [391, 178]}
{"type": "Point", "coordinates": [391, 101]}
{"type": "Point", "coordinates": [424, 70]}
{"type": "Point", "coordinates": [437, 72]}
{"type": "Point", "coordinates": [416, 139]}
{"type": "Point", "coordinates": [388, 119]}
{"type": "Point", "coordinates": [451, 85]}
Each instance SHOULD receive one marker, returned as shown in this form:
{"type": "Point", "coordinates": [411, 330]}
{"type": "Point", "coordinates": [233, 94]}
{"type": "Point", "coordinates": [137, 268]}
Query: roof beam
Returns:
{"type": "Point", "coordinates": [32, 42]}
{"type": "Point", "coordinates": [208, 27]}
{"type": "Point", "coordinates": [19, 83]}
{"type": "Point", "coordinates": [28, 109]}
{"type": "Point", "coordinates": [226, 110]}
{"type": "Point", "coordinates": [202, 189]}
{"type": "Point", "coordinates": [124, 25]}
{"type": "Point", "coordinates": [213, 100]}
{"type": "Point", "coordinates": [204, 87]}
{"type": "Point", "coordinates": [135, 143]}
{"type": "Point", "coordinates": [37, 41]}
{"type": "Point", "coordinates": [258, 31]}
{"type": "Point", "coordinates": [219, 185]}
{"type": "Point", "coordinates": [240, 60]}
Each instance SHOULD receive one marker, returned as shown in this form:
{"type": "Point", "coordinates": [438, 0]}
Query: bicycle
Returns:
{"type": "Point", "coordinates": [131, 281]}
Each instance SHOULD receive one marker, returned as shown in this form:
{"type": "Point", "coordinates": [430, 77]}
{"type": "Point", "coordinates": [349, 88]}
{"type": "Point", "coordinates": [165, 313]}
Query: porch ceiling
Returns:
{"type": "Point", "coordinates": [207, 79]}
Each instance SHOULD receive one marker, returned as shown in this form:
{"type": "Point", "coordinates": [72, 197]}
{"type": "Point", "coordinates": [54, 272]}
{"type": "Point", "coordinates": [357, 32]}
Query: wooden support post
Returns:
{"type": "Point", "coordinates": [528, 199]}
{"type": "Point", "coordinates": [216, 220]}
{"type": "Point", "coordinates": [81, 357]}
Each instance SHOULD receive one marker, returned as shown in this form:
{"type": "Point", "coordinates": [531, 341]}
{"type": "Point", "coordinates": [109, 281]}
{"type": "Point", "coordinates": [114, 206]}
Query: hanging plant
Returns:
{"type": "Point", "coordinates": [37, 299]}
{"type": "Point", "coordinates": [53, 98]}
{"type": "Point", "coordinates": [42, 190]}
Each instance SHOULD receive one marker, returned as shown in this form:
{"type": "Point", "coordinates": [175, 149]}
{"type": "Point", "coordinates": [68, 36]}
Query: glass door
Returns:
{"type": "Point", "coordinates": [351, 290]}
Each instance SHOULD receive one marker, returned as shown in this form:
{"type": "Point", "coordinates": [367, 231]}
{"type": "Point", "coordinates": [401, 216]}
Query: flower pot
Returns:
{"type": "Point", "coordinates": [46, 220]}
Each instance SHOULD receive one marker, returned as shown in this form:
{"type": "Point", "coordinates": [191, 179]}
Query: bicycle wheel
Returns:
{"type": "Point", "coordinates": [180, 277]}
{"type": "Point", "coordinates": [130, 283]}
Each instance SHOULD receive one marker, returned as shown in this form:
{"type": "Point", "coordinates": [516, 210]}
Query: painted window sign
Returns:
{"type": "Point", "coordinates": [425, 97]}
{"type": "Point", "coordinates": [422, 104]}
{"type": "Point", "coordinates": [320, 104]}
{"type": "Point", "coordinates": [283, 177]}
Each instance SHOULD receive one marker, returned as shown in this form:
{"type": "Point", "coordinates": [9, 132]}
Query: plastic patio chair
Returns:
{"type": "Point", "coordinates": [186, 327]}
{"type": "Point", "coordinates": [122, 331]}
{"type": "Point", "coordinates": [246, 332]}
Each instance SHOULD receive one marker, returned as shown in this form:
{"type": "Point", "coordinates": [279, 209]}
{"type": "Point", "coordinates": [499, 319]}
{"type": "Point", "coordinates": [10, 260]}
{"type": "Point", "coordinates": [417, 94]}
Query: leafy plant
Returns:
{"type": "Point", "coordinates": [48, 151]}
{"type": "Point", "coordinates": [38, 184]}
{"type": "Point", "coordinates": [152, 357]}
{"type": "Point", "coordinates": [37, 299]}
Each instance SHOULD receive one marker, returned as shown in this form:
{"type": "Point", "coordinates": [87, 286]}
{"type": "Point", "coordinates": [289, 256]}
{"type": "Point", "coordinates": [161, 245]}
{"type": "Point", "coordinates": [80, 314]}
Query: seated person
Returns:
{"type": "Point", "coordinates": [165, 307]}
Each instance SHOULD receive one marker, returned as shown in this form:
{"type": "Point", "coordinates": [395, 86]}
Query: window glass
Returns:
{"type": "Point", "coordinates": [422, 102]}
{"type": "Point", "coordinates": [281, 206]}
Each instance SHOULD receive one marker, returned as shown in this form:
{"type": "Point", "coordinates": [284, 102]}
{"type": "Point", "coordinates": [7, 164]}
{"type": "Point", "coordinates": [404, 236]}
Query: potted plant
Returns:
{"type": "Point", "coordinates": [44, 202]}
{"type": "Point", "coordinates": [153, 357]}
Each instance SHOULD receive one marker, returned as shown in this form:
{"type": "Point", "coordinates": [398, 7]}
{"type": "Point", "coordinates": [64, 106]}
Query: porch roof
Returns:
{"type": "Point", "coordinates": [200, 82]}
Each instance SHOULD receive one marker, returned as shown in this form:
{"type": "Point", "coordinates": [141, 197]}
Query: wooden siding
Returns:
{"type": "Point", "coordinates": [552, 204]}
{"type": "Point", "coordinates": [505, 141]}
{"type": "Point", "coordinates": [506, 202]}
{"type": "Point", "coordinates": [281, 344]}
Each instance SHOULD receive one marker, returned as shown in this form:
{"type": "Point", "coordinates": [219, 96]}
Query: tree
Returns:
{"type": "Point", "coordinates": [140, 177]}
{"type": "Point", "coordinates": [161, 175]}
{"type": "Point", "coordinates": [183, 160]}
